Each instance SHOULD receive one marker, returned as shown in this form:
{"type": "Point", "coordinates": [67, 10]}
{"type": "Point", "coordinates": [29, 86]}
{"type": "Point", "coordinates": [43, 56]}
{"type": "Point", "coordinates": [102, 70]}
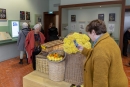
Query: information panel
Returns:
{"type": "Point", "coordinates": [15, 28]}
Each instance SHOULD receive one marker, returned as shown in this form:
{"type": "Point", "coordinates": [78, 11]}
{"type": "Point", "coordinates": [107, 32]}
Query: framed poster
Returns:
{"type": "Point", "coordinates": [111, 27]}
{"type": "Point", "coordinates": [81, 26]}
{"type": "Point", "coordinates": [22, 15]}
{"type": "Point", "coordinates": [73, 18]}
{"type": "Point", "coordinates": [101, 17]}
{"type": "Point", "coordinates": [111, 16]}
{"type": "Point", "coordinates": [2, 13]}
{"type": "Point", "coordinates": [27, 15]}
{"type": "Point", "coordinates": [73, 26]}
{"type": "Point", "coordinates": [38, 18]}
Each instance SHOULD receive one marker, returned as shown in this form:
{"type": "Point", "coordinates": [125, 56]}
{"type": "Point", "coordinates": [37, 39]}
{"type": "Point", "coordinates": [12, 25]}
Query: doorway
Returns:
{"type": "Point", "coordinates": [50, 18]}
{"type": "Point", "coordinates": [127, 19]}
{"type": "Point", "coordinates": [127, 25]}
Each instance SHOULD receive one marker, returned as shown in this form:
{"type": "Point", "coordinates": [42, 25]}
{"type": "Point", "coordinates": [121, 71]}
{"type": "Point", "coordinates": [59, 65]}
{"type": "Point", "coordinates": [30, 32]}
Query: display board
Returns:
{"type": "Point", "coordinates": [15, 28]}
{"type": "Point", "coordinates": [4, 36]}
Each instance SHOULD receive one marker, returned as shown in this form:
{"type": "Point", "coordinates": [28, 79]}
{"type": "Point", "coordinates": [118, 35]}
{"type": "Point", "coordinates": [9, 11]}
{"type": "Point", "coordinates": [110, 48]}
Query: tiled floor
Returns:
{"type": "Point", "coordinates": [11, 72]}
{"type": "Point", "coordinates": [127, 69]}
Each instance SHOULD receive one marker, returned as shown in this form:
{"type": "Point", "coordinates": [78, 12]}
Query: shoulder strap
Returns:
{"type": "Point", "coordinates": [23, 33]}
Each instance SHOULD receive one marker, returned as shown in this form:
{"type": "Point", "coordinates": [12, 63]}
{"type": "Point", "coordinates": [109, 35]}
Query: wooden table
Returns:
{"type": "Point", "coordinates": [38, 79]}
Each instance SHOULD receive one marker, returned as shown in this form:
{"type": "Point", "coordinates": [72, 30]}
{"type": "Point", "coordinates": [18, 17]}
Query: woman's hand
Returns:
{"type": "Point", "coordinates": [80, 48]}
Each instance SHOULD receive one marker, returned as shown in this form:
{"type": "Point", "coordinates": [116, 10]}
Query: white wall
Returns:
{"type": "Point", "coordinates": [90, 14]}
{"type": "Point", "coordinates": [14, 7]}
{"type": "Point", "coordinates": [57, 22]}
{"type": "Point", "coordinates": [8, 51]}
{"type": "Point", "coordinates": [52, 3]}
{"type": "Point", "coordinates": [127, 2]}
{"type": "Point", "coordinates": [66, 2]}
{"type": "Point", "coordinates": [64, 22]}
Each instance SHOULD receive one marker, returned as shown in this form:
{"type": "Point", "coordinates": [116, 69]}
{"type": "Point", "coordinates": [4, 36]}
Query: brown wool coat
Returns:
{"type": "Point", "coordinates": [103, 66]}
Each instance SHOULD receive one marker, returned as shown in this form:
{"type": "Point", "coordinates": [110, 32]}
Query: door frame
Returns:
{"type": "Point", "coordinates": [127, 7]}
{"type": "Point", "coordinates": [46, 13]}
{"type": "Point", "coordinates": [121, 2]}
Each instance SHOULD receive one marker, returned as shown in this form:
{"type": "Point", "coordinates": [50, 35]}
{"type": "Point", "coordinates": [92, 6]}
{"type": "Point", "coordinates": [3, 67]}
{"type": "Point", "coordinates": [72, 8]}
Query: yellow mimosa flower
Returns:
{"type": "Point", "coordinates": [82, 39]}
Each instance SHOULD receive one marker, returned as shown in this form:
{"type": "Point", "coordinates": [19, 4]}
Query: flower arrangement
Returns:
{"type": "Point", "coordinates": [55, 57]}
{"type": "Point", "coordinates": [82, 39]}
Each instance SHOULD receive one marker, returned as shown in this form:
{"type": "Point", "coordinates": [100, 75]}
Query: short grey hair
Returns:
{"type": "Point", "coordinates": [25, 25]}
{"type": "Point", "coordinates": [37, 26]}
{"type": "Point", "coordinates": [40, 24]}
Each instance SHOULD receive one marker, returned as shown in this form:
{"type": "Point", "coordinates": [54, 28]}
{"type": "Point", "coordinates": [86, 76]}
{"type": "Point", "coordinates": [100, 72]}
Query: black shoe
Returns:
{"type": "Point", "coordinates": [72, 85]}
{"type": "Point", "coordinates": [21, 61]}
{"type": "Point", "coordinates": [125, 55]}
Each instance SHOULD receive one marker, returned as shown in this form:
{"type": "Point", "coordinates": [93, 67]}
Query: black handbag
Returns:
{"type": "Point", "coordinates": [37, 49]}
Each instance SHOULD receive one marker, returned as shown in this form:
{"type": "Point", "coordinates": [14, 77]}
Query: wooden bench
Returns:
{"type": "Point", "coordinates": [38, 79]}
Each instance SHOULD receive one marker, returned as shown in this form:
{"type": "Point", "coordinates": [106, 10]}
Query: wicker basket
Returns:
{"type": "Point", "coordinates": [74, 68]}
{"type": "Point", "coordinates": [42, 64]}
{"type": "Point", "coordinates": [56, 71]}
{"type": "Point", "coordinates": [44, 53]}
{"type": "Point", "coordinates": [53, 45]}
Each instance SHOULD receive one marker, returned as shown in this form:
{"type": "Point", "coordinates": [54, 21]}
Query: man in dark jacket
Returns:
{"type": "Point", "coordinates": [125, 41]}
{"type": "Point", "coordinates": [53, 33]}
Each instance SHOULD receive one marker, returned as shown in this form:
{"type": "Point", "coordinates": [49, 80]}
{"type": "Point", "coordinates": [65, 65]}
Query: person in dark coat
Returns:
{"type": "Point", "coordinates": [126, 37]}
{"type": "Point", "coordinates": [21, 41]}
{"type": "Point", "coordinates": [53, 33]}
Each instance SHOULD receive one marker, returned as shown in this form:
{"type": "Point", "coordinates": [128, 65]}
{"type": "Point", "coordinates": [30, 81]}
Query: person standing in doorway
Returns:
{"type": "Point", "coordinates": [53, 32]}
{"type": "Point", "coordinates": [21, 41]}
{"type": "Point", "coordinates": [126, 37]}
{"type": "Point", "coordinates": [50, 25]}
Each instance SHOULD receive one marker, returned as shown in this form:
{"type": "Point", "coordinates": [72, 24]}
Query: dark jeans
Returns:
{"type": "Point", "coordinates": [34, 59]}
{"type": "Point", "coordinates": [125, 45]}
{"type": "Point", "coordinates": [52, 38]}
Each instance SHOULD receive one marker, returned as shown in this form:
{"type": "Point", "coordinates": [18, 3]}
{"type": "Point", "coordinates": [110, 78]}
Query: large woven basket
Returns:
{"type": "Point", "coordinates": [56, 71]}
{"type": "Point", "coordinates": [53, 45]}
{"type": "Point", "coordinates": [42, 64]}
{"type": "Point", "coordinates": [74, 68]}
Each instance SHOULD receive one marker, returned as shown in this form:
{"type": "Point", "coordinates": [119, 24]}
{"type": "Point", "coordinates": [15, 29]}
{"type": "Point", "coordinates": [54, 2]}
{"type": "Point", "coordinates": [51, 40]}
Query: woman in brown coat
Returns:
{"type": "Point", "coordinates": [103, 66]}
